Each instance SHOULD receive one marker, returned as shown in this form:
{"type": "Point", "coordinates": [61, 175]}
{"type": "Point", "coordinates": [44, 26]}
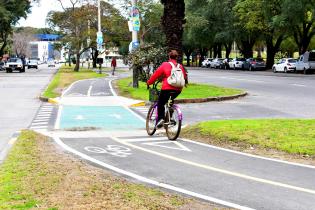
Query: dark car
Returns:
{"type": "Point", "coordinates": [225, 63]}
{"type": "Point", "coordinates": [253, 64]}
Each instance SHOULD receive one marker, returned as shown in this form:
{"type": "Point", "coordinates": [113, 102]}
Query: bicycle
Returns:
{"type": "Point", "coordinates": [173, 116]}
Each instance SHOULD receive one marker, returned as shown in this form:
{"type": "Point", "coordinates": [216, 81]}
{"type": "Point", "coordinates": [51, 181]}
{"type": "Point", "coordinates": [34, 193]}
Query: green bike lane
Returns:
{"type": "Point", "coordinates": [115, 138]}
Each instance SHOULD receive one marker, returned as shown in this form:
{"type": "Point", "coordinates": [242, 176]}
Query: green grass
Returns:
{"type": "Point", "coordinates": [193, 90]}
{"type": "Point", "coordinates": [293, 136]}
{"type": "Point", "coordinates": [65, 77]}
{"type": "Point", "coordinates": [15, 190]}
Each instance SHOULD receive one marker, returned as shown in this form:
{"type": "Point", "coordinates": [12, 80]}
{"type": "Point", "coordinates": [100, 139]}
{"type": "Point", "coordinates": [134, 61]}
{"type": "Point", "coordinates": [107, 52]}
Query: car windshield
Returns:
{"type": "Point", "coordinates": [292, 60]}
{"type": "Point", "coordinates": [240, 59]}
{"type": "Point", "coordinates": [13, 60]}
{"type": "Point", "coordinates": [259, 60]}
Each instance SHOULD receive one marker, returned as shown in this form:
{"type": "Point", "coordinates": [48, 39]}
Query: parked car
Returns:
{"type": "Point", "coordinates": [2, 68]}
{"type": "Point", "coordinates": [225, 63]}
{"type": "Point", "coordinates": [237, 63]}
{"type": "Point", "coordinates": [216, 63]}
{"type": "Point", "coordinates": [14, 64]}
{"type": "Point", "coordinates": [253, 64]}
{"type": "Point", "coordinates": [32, 64]}
{"type": "Point", "coordinates": [51, 63]}
{"type": "Point", "coordinates": [306, 62]}
{"type": "Point", "coordinates": [285, 65]}
{"type": "Point", "coordinates": [206, 62]}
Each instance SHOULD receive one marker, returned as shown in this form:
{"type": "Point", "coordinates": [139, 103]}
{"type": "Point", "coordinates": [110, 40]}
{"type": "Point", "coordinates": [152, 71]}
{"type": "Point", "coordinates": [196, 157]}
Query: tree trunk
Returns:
{"type": "Point", "coordinates": [228, 49]}
{"type": "Point", "coordinates": [219, 50]}
{"type": "Point", "coordinates": [94, 57]}
{"type": "Point", "coordinates": [247, 49]}
{"type": "Point", "coordinates": [188, 54]}
{"type": "Point", "coordinates": [135, 80]}
{"type": "Point", "coordinates": [272, 49]}
{"type": "Point", "coordinates": [303, 37]}
{"type": "Point", "coordinates": [77, 62]}
{"type": "Point", "coordinates": [69, 58]}
{"type": "Point", "coordinates": [173, 20]}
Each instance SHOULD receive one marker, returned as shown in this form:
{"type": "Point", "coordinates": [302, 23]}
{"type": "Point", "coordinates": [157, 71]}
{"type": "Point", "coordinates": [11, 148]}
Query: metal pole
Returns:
{"type": "Point", "coordinates": [134, 33]}
{"type": "Point", "coordinates": [99, 15]}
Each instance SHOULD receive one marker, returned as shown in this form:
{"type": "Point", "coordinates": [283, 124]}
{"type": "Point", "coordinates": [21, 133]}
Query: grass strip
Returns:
{"type": "Point", "coordinates": [193, 91]}
{"type": "Point", "coordinates": [38, 175]}
{"type": "Point", "coordinates": [292, 136]}
{"type": "Point", "coordinates": [66, 76]}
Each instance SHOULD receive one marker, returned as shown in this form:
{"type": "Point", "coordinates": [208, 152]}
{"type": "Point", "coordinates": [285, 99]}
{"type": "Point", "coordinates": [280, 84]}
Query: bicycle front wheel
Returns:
{"type": "Point", "coordinates": [173, 125]}
{"type": "Point", "coordinates": [151, 120]}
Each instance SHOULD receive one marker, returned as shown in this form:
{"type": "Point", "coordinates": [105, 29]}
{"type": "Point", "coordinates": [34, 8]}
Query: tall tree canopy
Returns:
{"type": "Point", "coordinates": [10, 13]}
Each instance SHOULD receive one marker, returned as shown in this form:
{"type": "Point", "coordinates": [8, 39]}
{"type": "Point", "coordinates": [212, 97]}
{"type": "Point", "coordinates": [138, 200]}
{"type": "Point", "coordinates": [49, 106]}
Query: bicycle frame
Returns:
{"type": "Point", "coordinates": [180, 114]}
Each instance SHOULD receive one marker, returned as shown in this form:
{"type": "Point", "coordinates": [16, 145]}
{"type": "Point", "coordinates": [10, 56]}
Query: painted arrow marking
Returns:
{"type": "Point", "coordinates": [169, 145]}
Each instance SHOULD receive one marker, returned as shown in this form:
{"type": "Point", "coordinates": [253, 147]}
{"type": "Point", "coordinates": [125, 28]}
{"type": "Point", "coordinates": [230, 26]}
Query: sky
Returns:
{"type": "Point", "coordinates": [37, 17]}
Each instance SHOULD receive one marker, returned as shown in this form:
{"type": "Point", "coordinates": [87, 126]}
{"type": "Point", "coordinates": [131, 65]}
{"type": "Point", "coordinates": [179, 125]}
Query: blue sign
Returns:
{"type": "Point", "coordinates": [135, 45]}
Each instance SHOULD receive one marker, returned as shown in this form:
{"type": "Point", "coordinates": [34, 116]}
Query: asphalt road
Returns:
{"type": "Point", "coordinates": [222, 176]}
{"type": "Point", "coordinates": [19, 100]}
{"type": "Point", "coordinates": [270, 95]}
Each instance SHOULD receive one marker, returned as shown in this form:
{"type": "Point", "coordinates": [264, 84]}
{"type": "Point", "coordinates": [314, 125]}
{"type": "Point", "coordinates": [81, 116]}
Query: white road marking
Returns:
{"type": "Point", "coordinates": [248, 155]}
{"type": "Point", "coordinates": [299, 85]}
{"type": "Point", "coordinates": [39, 123]}
{"type": "Point", "coordinates": [240, 79]}
{"type": "Point", "coordinates": [146, 139]}
{"type": "Point", "coordinates": [170, 145]}
{"type": "Point", "coordinates": [79, 117]}
{"type": "Point", "coordinates": [150, 181]}
{"type": "Point", "coordinates": [57, 124]}
{"type": "Point", "coordinates": [117, 116]}
{"type": "Point", "coordinates": [115, 150]}
{"type": "Point", "coordinates": [89, 91]}
{"type": "Point", "coordinates": [210, 168]}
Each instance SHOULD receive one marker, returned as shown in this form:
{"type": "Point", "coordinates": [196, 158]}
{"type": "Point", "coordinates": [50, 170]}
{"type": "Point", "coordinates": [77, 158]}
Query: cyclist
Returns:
{"type": "Point", "coordinates": [167, 91]}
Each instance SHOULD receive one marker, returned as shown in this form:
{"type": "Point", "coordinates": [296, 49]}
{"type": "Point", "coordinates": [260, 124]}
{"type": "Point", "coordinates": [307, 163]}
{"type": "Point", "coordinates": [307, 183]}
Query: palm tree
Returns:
{"type": "Point", "coordinates": [173, 21]}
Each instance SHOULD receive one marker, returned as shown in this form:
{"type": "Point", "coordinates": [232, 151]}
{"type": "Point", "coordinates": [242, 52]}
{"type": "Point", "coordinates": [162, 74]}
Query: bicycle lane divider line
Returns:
{"type": "Point", "coordinates": [147, 180]}
{"type": "Point", "coordinates": [210, 168]}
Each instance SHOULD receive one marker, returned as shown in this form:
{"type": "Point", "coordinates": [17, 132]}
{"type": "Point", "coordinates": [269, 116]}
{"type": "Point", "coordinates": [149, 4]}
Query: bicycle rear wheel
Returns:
{"type": "Point", "coordinates": [151, 120]}
{"type": "Point", "coordinates": [173, 125]}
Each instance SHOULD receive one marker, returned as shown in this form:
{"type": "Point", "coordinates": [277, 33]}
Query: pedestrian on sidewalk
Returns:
{"type": "Point", "coordinates": [113, 64]}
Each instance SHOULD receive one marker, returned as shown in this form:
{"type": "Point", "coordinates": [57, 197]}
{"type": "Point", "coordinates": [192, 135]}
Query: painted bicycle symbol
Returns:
{"type": "Point", "coordinates": [115, 150]}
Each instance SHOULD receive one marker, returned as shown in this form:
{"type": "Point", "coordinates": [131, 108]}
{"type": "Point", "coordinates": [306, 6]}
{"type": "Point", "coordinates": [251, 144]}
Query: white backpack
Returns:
{"type": "Point", "coordinates": [176, 79]}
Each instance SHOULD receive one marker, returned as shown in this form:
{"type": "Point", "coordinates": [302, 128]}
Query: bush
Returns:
{"type": "Point", "coordinates": [146, 59]}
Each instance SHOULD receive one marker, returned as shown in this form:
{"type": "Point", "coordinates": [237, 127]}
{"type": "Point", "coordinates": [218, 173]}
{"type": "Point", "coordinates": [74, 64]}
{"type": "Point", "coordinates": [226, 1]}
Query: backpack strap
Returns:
{"type": "Point", "coordinates": [173, 66]}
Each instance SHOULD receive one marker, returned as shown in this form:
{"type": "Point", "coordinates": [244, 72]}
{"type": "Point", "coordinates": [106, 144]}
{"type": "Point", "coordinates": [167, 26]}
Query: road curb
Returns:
{"type": "Point", "coordinates": [49, 100]}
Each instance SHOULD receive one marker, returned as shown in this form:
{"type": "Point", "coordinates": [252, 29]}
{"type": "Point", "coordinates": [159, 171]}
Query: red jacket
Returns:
{"type": "Point", "coordinates": [164, 71]}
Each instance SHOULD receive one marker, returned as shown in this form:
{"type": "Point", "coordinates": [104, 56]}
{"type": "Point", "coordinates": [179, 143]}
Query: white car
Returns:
{"type": "Point", "coordinates": [14, 64]}
{"type": "Point", "coordinates": [285, 65]}
{"type": "Point", "coordinates": [216, 63]}
{"type": "Point", "coordinates": [32, 64]}
{"type": "Point", "coordinates": [206, 62]}
{"type": "Point", "coordinates": [306, 62]}
{"type": "Point", "coordinates": [237, 63]}
{"type": "Point", "coordinates": [51, 63]}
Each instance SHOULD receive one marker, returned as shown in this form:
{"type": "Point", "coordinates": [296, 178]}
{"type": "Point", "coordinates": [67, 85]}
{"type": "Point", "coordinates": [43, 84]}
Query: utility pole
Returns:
{"type": "Point", "coordinates": [134, 32]}
{"type": "Point", "coordinates": [99, 34]}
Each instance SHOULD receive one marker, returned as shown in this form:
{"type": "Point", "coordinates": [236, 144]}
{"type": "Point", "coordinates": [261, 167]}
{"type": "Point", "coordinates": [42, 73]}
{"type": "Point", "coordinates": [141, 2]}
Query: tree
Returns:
{"type": "Point", "coordinates": [73, 24]}
{"type": "Point", "coordinates": [21, 46]}
{"type": "Point", "coordinates": [10, 13]}
{"type": "Point", "coordinates": [302, 22]}
{"type": "Point", "coordinates": [173, 21]}
{"type": "Point", "coordinates": [263, 17]}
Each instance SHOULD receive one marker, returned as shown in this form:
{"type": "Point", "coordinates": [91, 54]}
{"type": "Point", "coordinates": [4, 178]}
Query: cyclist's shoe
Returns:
{"type": "Point", "coordinates": [160, 124]}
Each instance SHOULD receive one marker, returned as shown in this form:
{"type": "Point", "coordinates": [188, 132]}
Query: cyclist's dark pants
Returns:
{"type": "Point", "coordinates": [163, 98]}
